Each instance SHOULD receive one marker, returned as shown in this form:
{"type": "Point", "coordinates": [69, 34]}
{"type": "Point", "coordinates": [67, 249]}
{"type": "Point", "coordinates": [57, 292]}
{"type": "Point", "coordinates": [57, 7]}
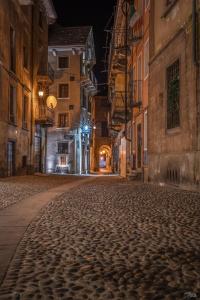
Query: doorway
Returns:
{"type": "Point", "coordinates": [105, 159]}
{"type": "Point", "coordinates": [11, 158]}
{"type": "Point", "coordinates": [38, 154]}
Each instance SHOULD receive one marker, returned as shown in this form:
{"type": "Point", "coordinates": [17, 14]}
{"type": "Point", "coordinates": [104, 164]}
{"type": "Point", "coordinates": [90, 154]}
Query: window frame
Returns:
{"type": "Point", "coordinates": [60, 148]}
{"type": "Point", "coordinates": [177, 126]}
{"type": "Point", "coordinates": [66, 123]}
{"type": "Point", "coordinates": [63, 83]}
{"type": "Point", "coordinates": [14, 104]}
{"type": "Point", "coordinates": [58, 62]}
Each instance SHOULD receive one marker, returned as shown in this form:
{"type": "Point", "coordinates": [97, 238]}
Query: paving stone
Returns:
{"type": "Point", "coordinates": [111, 239]}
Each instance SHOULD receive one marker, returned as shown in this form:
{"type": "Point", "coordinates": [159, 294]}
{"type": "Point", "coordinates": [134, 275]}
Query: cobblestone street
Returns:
{"type": "Point", "coordinates": [110, 239]}
{"type": "Point", "coordinates": [18, 188]}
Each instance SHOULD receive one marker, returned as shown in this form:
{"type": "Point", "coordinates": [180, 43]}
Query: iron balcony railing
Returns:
{"type": "Point", "coordinates": [44, 115]}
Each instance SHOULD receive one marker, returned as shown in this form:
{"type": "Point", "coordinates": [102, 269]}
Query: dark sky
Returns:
{"type": "Point", "coordinates": [88, 12]}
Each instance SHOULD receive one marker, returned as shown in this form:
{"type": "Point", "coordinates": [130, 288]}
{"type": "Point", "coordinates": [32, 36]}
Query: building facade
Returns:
{"type": "Point", "coordinates": [174, 98]}
{"type": "Point", "coordinates": [72, 57]}
{"type": "Point", "coordinates": [101, 141]}
{"type": "Point", "coordinates": [128, 81]}
{"type": "Point", "coordinates": [23, 65]}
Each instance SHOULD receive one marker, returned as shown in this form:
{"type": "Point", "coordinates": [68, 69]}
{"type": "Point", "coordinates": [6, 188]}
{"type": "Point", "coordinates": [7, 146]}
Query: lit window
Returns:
{"type": "Point", "coordinates": [173, 93]}
{"type": "Point", "coordinates": [63, 161]}
{"type": "Point", "coordinates": [63, 62]}
{"type": "Point", "coordinates": [63, 90]}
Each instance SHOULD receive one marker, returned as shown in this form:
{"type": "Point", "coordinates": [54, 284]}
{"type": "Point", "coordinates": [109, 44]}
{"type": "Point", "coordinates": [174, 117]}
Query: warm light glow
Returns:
{"type": "Point", "coordinates": [94, 127]}
{"type": "Point", "coordinates": [41, 93]}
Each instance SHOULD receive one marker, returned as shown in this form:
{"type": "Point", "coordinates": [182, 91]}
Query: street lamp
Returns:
{"type": "Point", "coordinates": [41, 93]}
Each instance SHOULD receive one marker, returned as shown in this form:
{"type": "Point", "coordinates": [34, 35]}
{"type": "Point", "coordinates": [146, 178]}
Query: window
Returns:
{"type": "Point", "coordinates": [63, 120]}
{"type": "Point", "coordinates": [139, 85]}
{"type": "Point", "coordinates": [63, 148]}
{"type": "Point", "coordinates": [12, 105]}
{"type": "Point", "coordinates": [104, 129]}
{"type": "Point", "coordinates": [146, 59]}
{"type": "Point", "coordinates": [25, 112]}
{"type": "Point", "coordinates": [12, 50]}
{"type": "Point", "coordinates": [173, 92]}
{"type": "Point", "coordinates": [63, 62]}
{"type": "Point", "coordinates": [63, 160]}
{"type": "Point", "coordinates": [63, 90]}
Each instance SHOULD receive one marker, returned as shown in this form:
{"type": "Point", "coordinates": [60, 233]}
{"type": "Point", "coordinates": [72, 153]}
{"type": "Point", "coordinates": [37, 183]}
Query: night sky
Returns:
{"type": "Point", "coordinates": [96, 13]}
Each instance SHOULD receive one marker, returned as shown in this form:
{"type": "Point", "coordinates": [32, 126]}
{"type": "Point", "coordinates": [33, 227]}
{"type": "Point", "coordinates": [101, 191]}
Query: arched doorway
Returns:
{"type": "Point", "coordinates": [105, 159]}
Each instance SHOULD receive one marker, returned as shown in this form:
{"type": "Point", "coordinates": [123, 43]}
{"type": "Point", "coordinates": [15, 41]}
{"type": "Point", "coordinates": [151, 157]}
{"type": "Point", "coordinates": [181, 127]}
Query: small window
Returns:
{"type": "Point", "coordinates": [63, 90]}
{"type": "Point", "coordinates": [63, 120]}
{"type": "Point", "coordinates": [63, 62]}
{"type": "Point", "coordinates": [25, 112]}
{"type": "Point", "coordinates": [173, 93]}
{"type": "Point", "coordinates": [63, 148]}
{"type": "Point", "coordinates": [12, 105]}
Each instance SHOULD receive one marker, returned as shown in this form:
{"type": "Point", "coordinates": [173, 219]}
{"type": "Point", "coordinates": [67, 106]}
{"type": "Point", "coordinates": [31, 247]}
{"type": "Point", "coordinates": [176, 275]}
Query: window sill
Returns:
{"type": "Point", "coordinates": [173, 131]}
{"type": "Point", "coordinates": [67, 98]}
{"type": "Point", "coordinates": [62, 69]}
{"type": "Point", "coordinates": [168, 9]}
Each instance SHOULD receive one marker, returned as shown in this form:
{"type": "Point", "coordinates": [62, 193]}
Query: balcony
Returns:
{"type": "Point", "coordinates": [44, 116]}
{"type": "Point", "coordinates": [46, 74]}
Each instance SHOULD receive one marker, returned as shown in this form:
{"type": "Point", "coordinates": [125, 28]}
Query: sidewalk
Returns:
{"type": "Point", "coordinates": [15, 219]}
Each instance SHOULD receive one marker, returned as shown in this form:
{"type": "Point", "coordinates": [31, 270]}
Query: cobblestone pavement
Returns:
{"type": "Point", "coordinates": [17, 188]}
{"type": "Point", "coordinates": [111, 239]}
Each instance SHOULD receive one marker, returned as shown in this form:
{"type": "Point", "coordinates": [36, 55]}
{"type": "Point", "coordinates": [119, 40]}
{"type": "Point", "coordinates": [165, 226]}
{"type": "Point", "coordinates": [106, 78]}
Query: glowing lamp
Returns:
{"type": "Point", "coordinates": [41, 93]}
